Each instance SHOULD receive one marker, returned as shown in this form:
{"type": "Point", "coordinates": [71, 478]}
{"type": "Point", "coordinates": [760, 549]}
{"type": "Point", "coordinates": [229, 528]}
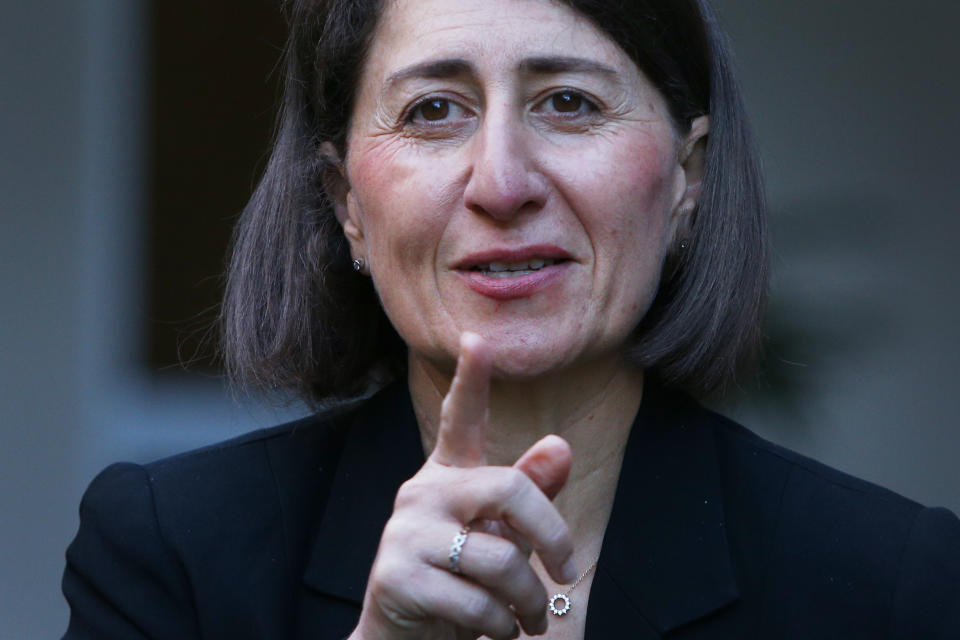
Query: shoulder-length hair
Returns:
{"type": "Point", "coordinates": [295, 315]}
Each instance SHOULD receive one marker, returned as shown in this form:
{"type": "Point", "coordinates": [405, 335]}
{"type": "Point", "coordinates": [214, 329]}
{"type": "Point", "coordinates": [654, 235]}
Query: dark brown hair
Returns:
{"type": "Point", "coordinates": [296, 316]}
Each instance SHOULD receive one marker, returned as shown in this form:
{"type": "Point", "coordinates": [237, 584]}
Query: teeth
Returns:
{"type": "Point", "coordinates": [529, 265]}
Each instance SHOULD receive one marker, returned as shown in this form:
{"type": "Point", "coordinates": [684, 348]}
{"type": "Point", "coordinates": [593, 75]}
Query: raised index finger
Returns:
{"type": "Point", "coordinates": [461, 441]}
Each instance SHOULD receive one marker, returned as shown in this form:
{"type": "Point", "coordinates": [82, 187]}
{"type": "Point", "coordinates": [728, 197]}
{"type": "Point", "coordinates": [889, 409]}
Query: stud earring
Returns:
{"type": "Point", "coordinates": [358, 265]}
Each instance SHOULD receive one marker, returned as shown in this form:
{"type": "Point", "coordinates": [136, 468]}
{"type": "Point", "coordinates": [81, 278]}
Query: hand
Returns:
{"type": "Point", "coordinates": [412, 593]}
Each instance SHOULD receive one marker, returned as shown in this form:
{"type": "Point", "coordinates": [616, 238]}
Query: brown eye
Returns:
{"type": "Point", "coordinates": [435, 109]}
{"type": "Point", "coordinates": [567, 102]}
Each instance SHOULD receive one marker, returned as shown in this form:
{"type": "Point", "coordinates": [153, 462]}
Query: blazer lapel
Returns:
{"type": "Point", "coordinates": [381, 450]}
{"type": "Point", "coordinates": [665, 560]}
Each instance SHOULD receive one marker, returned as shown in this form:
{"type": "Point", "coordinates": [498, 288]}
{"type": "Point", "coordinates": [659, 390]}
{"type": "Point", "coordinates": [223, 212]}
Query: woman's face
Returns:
{"type": "Point", "coordinates": [511, 172]}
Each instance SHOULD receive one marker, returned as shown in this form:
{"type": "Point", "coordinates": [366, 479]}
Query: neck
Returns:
{"type": "Point", "coordinates": [592, 407]}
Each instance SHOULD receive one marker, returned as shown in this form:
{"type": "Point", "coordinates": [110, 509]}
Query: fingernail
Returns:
{"type": "Point", "coordinates": [569, 570]}
{"type": "Point", "coordinates": [469, 338]}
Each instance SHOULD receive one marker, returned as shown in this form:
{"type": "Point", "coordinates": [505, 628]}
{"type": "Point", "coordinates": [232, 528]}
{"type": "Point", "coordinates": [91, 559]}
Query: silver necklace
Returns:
{"type": "Point", "coordinates": [564, 598]}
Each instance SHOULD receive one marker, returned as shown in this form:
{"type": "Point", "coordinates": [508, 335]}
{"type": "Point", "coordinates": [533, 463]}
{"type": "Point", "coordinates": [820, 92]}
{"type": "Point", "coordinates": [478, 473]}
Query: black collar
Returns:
{"type": "Point", "coordinates": [665, 560]}
{"type": "Point", "coordinates": [382, 449]}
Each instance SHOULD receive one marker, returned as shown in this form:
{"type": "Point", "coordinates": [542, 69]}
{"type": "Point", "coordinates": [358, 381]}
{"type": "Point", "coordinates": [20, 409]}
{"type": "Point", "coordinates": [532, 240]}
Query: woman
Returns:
{"type": "Point", "coordinates": [534, 224]}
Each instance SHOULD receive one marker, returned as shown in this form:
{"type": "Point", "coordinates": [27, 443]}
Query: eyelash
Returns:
{"type": "Point", "coordinates": [409, 116]}
{"type": "Point", "coordinates": [586, 102]}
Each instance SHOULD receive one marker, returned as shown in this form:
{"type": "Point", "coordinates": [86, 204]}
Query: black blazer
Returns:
{"type": "Point", "coordinates": [715, 533]}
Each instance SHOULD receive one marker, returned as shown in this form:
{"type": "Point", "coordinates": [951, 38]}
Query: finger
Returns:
{"type": "Point", "coordinates": [508, 495]}
{"type": "Point", "coordinates": [461, 441]}
{"type": "Point", "coordinates": [465, 604]}
{"type": "Point", "coordinates": [547, 463]}
{"type": "Point", "coordinates": [504, 569]}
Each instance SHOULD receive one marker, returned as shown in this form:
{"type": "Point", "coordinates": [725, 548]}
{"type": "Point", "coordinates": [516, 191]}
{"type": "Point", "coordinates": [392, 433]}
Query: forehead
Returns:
{"type": "Point", "coordinates": [490, 32]}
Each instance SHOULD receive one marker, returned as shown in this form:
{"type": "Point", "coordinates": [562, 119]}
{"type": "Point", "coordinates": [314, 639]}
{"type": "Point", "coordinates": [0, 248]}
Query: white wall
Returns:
{"type": "Point", "coordinates": [854, 105]}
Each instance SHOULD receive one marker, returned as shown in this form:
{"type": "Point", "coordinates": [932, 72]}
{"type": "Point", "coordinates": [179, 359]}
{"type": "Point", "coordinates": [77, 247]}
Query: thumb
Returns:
{"type": "Point", "coordinates": [547, 463]}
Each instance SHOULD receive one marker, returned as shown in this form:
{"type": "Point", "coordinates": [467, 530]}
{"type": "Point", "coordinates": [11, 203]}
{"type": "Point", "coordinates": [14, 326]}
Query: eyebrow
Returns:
{"type": "Point", "coordinates": [447, 68]}
{"type": "Point", "coordinates": [561, 64]}
{"type": "Point", "coordinates": [544, 65]}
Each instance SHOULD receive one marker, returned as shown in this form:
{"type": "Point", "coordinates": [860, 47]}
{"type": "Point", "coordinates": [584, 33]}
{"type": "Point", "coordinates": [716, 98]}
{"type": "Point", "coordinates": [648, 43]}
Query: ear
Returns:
{"type": "Point", "coordinates": [337, 187]}
{"type": "Point", "coordinates": [693, 150]}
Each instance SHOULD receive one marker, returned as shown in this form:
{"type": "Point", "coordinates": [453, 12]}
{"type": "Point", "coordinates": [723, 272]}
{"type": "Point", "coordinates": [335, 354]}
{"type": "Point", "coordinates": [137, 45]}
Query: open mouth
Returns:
{"type": "Point", "coordinates": [515, 269]}
{"type": "Point", "coordinates": [511, 274]}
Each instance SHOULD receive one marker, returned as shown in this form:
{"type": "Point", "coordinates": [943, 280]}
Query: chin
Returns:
{"type": "Point", "coordinates": [525, 362]}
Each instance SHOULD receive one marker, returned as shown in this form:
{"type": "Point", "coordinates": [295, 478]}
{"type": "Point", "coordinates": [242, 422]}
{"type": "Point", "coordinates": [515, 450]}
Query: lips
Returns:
{"type": "Point", "coordinates": [508, 274]}
{"type": "Point", "coordinates": [513, 256]}
{"type": "Point", "coordinates": [500, 269]}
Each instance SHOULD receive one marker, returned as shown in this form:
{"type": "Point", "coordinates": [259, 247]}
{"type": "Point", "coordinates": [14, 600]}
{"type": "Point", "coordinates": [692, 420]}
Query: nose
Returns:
{"type": "Point", "coordinates": [505, 180]}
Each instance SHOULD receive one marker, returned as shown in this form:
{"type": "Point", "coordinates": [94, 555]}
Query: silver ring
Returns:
{"type": "Point", "coordinates": [458, 541]}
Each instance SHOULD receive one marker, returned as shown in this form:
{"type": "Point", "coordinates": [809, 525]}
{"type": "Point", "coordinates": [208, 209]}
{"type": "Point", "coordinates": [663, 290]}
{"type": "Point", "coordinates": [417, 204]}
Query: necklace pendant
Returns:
{"type": "Point", "coordinates": [564, 608]}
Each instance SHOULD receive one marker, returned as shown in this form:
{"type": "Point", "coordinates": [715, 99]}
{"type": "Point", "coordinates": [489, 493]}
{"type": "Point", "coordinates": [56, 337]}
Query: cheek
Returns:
{"type": "Point", "coordinates": [631, 192]}
{"type": "Point", "coordinates": [645, 176]}
{"type": "Point", "coordinates": [401, 204]}
{"type": "Point", "coordinates": [628, 188]}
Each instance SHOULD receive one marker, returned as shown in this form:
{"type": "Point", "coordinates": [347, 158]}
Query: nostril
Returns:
{"type": "Point", "coordinates": [503, 204]}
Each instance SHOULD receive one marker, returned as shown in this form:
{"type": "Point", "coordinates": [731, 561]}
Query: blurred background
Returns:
{"type": "Point", "coordinates": [132, 132]}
